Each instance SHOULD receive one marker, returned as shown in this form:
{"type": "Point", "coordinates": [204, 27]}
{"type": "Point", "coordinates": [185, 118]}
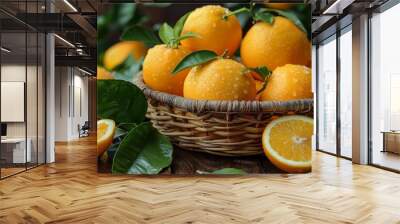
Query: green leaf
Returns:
{"type": "Point", "coordinates": [126, 12]}
{"type": "Point", "coordinates": [237, 11]}
{"type": "Point", "coordinates": [289, 15]}
{"type": "Point", "coordinates": [127, 126]}
{"type": "Point", "coordinates": [157, 4]}
{"type": "Point", "coordinates": [264, 16]}
{"type": "Point", "coordinates": [138, 33]}
{"type": "Point", "coordinates": [128, 69]}
{"type": "Point", "coordinates": [179, 25]}
{"type": "Point", "coordinates": [195, 58]}
{"type": "Point", "coordinates": [263, 71]}
{"type": "Point", "coordinates": [233, 171]}
{"type": "Point", "coordinates": [166, 33]}
{"type": "Point", "coordinates": [143, 151]}
{"type": "Point", "coordinates": [120, 101]}
{"type": "Point", "coordinates": [188, 35]}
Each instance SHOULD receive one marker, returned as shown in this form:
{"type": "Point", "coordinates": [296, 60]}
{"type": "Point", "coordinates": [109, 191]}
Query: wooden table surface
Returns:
{"type": "Point", "coordinates": [190, 162]}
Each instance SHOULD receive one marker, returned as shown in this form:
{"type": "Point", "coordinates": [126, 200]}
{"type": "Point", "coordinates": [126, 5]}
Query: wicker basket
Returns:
{"type": "Point", "coordinates": [228, 128]}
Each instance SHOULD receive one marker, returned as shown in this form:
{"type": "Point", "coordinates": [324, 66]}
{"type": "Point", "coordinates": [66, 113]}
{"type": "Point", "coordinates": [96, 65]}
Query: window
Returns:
{"type": "Point", "coordinates": [346, 92]}
{"type": "Point", "coordinates": [327, 95]}
{"type": "Point", "coordinates": [385, 89]}
{"type": "Point", "coordinates": [22, 101]}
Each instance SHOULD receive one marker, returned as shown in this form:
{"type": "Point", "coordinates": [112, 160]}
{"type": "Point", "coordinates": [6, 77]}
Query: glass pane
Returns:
{"type": "Point", "coordinates": [385, 84]}
{"type": "Point", "coordinates": [327, 96]}
{"type": "Point", "coordinates": [41, 98]}
{"type": "Point", "coordinates": [13, 86]}
{"type": "Point", "coordinates": [346, 94]}
{"type": "Point", "coordinates": [32, 98]}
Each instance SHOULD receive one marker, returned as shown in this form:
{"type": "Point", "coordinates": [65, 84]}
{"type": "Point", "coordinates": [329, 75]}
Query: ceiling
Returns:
{"type": "Point", "coordinates": [74, 21]}
{"type": "Point", "coordinates": [331, 15]}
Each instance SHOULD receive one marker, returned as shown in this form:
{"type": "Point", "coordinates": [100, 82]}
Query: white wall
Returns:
{"type": "Point", "coordinates": [71, 94]}
{"type": "Point", "coordinates": [33, 127]}
{"type": "Point", "coordinates": [16, 73]}
{"type": "Point", "coordinates": [61, 103]}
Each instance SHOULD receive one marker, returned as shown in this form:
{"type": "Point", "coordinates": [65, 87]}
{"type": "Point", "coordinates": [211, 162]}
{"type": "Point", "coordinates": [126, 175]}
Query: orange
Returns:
{"type": "Point", "coordinates": [158, 65]}
{"type": "Point", "coordinates": [215, 33]}
{"type": "Point", "coordinates": [105, 135]}
{"type": "Point", "coordinates": [281, 6]}
{"type": "Point", "coordinates": [287, 143]}
{"type": "Point", "coordinates": [275, 45]}
{"type": "Point", "coordinates": [117, 53]}
{"type": "Point", "coordinates": [103, 74]}
{"type": "Point", "coordinates": [289, 82]}
{"type": "Point", "coordinates": [221, 79]}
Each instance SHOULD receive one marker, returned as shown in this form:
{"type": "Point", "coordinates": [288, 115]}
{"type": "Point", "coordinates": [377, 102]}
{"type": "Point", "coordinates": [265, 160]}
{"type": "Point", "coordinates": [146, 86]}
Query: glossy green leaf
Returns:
{"type": "Point", "coordinates": [120, 101]}
{"type": "Point", "coordinates": [166, 33]}
{"type": "Point", "coordinates": [125, 13]}
{"type": "Point", "coordinates": [233, 171]}
{"type": "Point", "coordinates": [195, 58]}
{"type": "Point", "coordinates": [138, 33]}
{"type": "Point", "coordinates": [263, 71]}
{"type": "Point", "coordinates": [127, 126]}
{"type": "Point", "coordinates": [179, 25]}
{"type": "Point", "coordinates": [128, 70]}
{"type": "Point", "coordinates": [289, 15]}
{"type": "Point", "coordinates": [143, 151]}
{"type": "Point", "coordinates": [188, 35]}
{"type": "Point", "coordinates": [264, 16]}
{"type": "Point", "coordinates": [236, 12]}
{"type": "Point", "coordinates": [157, 4]}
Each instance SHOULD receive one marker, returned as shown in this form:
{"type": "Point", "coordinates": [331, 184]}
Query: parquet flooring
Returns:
{"type": "Point", "coordinates": [71, 191]}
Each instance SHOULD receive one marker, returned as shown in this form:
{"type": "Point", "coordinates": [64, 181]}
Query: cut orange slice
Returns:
{"type": "Point", "coordinates": [103, 74]}
{"type": "Point", "coordinates": [287, 143]}
{"type": "Point", "coordinates": [105, 134]}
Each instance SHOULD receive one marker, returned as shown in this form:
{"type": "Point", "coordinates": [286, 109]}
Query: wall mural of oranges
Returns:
{"type": "Point", "coordinates": [204, 88]}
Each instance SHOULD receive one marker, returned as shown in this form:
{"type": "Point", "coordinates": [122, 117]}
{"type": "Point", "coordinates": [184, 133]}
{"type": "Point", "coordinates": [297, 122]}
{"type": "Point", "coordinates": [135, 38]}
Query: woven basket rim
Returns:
{"type": "Point", "coordinates": [223, 106]}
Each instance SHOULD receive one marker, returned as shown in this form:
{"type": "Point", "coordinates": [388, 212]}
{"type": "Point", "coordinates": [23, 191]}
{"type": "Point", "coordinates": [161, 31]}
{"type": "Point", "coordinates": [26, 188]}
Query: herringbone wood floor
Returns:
{"type": "Point", "coordinates": [70, 191]}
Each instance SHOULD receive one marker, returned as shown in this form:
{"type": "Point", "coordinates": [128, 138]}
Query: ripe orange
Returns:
{"type": "Point", "coordinates": [221, 79]}
{"type": "Point", "coordinates": [117, 53]}
{"type": "Point", "coordinates": [105, 135]}
{"type": "Point", "coordinates": [289, 82]}
{"type": "Point", "coordinates": [281, 6]}
{"type": "Point", "coordinates": [287, 143]}
{"type": "Point", "coordinates": [275, 45]}
{"type": "Point", "coordinates": [103, 74]}
{"type": "Point", "coordinates": [158, 65]}
{"type": "Point", "coordinates": [215, 33]}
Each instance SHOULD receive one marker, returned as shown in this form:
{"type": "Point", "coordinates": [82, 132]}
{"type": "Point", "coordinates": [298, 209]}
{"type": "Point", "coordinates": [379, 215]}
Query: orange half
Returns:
{"type": "Point", "coordinates": [287, 143]}
{"type": "Point", "coordinates": [105, 135]}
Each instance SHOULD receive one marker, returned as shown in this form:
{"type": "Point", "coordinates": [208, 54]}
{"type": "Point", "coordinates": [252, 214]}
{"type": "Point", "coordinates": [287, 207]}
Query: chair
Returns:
{"type": "Point", "coordinates": [84, 130]}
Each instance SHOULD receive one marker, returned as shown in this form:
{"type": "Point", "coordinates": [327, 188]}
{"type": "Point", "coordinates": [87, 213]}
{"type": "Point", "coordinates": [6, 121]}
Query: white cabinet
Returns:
{"type": "Point", "coordinates": [17, 146]}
